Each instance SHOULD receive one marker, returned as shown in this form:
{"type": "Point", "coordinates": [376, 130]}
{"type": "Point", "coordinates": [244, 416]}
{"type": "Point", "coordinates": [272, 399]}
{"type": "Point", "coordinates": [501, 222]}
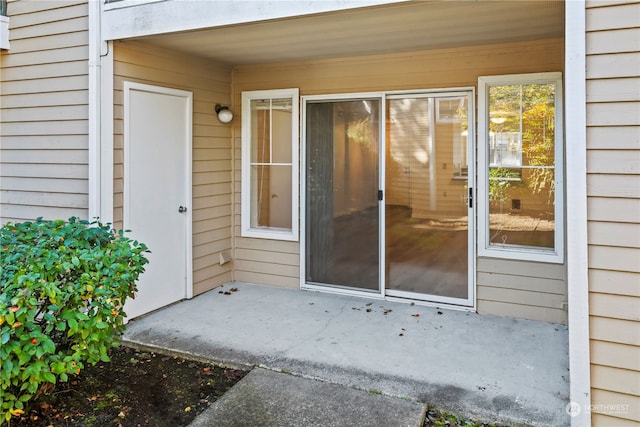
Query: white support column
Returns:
{"type": "Point", "coordinates": [576, 202]}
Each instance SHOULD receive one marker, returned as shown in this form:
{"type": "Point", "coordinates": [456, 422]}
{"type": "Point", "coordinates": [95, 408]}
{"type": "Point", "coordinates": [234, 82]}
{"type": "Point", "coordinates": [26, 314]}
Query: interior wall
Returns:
{"type": "Point", "coordinates": [211, 169]}
{"type": "Point", "coordinates": [500, 289]}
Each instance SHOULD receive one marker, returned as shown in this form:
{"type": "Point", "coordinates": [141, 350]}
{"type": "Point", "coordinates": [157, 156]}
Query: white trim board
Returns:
{"type": "Point", "coordinates": [576, 209]}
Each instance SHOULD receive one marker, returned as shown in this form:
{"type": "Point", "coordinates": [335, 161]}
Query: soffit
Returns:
{"type": "Point", "coordinates": [404, 27]}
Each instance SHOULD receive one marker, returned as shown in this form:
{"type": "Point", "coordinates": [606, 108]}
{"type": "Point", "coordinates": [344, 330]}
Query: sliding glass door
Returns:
{"type": "Point", "coordinates": [429, 216]}
{"type": "Point", "coordinates": [342, 181]}
{"type": "Point", "coordinates": [387, 192]}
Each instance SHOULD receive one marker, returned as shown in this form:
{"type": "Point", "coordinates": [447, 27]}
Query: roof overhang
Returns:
{"type": "Point", "coordinates": [375, 29]}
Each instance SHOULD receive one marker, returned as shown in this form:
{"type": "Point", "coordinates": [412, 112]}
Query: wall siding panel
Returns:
{"type": "Point", "coordinates": [613, 188]}
{"type": "Point", "coordinates": [211, 167]}
{"type": "Point", "coordinates": [44, 112]}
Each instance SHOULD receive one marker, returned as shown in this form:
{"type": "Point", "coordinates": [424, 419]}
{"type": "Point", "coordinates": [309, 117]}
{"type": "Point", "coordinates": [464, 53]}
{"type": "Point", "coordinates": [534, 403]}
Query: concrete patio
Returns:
{"type": "Point", "coordinates": [479, 366]}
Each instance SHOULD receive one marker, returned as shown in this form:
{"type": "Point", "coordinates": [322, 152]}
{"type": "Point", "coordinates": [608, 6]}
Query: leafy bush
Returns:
{"type": "Point", "coordinates": [63, 285]}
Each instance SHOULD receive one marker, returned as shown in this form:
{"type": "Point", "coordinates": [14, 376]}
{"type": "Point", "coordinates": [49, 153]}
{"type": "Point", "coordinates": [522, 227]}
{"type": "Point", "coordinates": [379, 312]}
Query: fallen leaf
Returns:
{"type": "Point", "coordinates": [234, 289]}
{"type": "Point", "coordinates": [187, 409]}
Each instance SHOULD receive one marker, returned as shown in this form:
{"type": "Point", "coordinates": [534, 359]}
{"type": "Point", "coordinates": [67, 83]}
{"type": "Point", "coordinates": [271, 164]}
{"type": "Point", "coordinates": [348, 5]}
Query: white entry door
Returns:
{"type": "Point", "coordinates": [157, 191]}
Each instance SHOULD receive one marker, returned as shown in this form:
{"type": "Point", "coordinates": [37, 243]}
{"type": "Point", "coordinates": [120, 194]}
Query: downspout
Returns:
{"type": "Point", "coordinates": [233, 178]}
{"type": "Point", "coordinates": [576, 213]}
{"type": "Point", "coordinates": [94, 109]}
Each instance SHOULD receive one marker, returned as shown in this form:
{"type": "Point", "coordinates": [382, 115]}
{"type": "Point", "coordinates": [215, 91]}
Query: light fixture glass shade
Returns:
{"type": "Point", "coordinates": [224, 114]}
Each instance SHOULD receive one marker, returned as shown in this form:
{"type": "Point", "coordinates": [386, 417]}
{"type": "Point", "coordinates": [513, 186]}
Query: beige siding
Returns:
{"type": "Point", "coordinates": [539, 290]}
{"type": "Point", "coordinates": [522, 289]}
{"type": "Point", "coordinates": [44, 112]}
{"type": "Point", "coordinates": [613, 188]}
{"type": "Point", "coordinates": [211, 204]}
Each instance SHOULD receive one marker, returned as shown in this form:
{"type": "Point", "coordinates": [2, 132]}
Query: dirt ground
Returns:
{"type": "Point", "coordinates": [140, 388]}
{"type": "Point", "coordinates": [135, 389]}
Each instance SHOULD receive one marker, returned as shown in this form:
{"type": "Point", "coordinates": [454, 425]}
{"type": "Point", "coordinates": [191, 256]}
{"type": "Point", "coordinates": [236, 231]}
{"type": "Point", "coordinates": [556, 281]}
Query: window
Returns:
{"type": "Point", "coordinates": [520, 178]}
{"type": "Point", "coordinates": [270, 164]}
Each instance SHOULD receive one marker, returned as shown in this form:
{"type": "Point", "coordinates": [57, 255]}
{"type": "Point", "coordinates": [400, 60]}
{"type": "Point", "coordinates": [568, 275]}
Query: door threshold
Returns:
{"type": "Point", "coordinates": [342, 291]}
{"type": "Point", "coordinates": [427, 303]}
{"type": "Point", "coordinates": [401, 297]}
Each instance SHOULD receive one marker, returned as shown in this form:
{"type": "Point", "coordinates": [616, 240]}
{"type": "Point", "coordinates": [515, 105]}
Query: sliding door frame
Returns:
{"type": "Point", "coordinates": [380, 293]}
{"type": "Point", "coordinates": [429, 299]}
{"type": "Point", "coordinates": [383, 293]}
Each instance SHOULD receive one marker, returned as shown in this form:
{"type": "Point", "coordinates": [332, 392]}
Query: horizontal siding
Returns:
{"type": "Point", "coordinates": [623, 381]}
{"type": "Point", "coordinates": [614, 113]}
{"type": "Point", "coordinates": [610, 17]}
{"type": "Point", "coordinates": [610, 185]}
{"type": "Point", "coordinates": [613, 189]}
{"type": "Point", "coordinates": [614, 330]}
{"type": "Point", "coordinates": [529, 290]}
{"type": "Point", "coordinates": [607, 353]}
{"type": "Point", "coordinates": [613, 209]}
{"type": "Point", "coordinates": [211, 178]}
{"type": "Point", "coordinates": [614, 409]}
{"type": "Point", "coordinates": [614, 66]}
{"type": "Point", "coordinates": [614, 282]}
{"type": "Point", "coordinates": [614, 258]}
{"type": "Point", "coordinates": [613, 41]}
{"type": "Point", "coordinates": [44, 112]}
{"type": "Point", "coordinates": [614, 161]}
{"type": "Point", "coordinates": [598, 419]}
{"type": "Point", "coordinates": [613, 90]}
{"type": "Point", "coordinates": [614, 234]}
{"type": "Point", "coordinates": [616, 137]}
{"type": "Point", "coordinates": [615, 306]}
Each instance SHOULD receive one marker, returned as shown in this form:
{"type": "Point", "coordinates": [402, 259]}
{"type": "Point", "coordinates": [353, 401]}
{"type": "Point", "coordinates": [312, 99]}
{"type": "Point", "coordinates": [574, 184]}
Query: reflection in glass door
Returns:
{"type": "Point", "coordinates": [342, 180]}
{"type": "Point", "coordinates": [427, 223]}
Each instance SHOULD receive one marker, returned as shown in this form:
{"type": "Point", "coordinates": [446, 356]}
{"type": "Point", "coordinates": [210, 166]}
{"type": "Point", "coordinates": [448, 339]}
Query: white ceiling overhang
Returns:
{"type": "Point", "coordinates": [389, 28]}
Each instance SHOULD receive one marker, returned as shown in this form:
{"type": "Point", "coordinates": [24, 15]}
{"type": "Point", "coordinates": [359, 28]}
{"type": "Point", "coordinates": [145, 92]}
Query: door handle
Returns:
{"type": "Point", "coordinates": [182, 209]}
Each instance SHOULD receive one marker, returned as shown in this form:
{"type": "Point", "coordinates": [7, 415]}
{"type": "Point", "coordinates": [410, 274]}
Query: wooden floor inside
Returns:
{"type": "Point", "coordinates": [423, 256]}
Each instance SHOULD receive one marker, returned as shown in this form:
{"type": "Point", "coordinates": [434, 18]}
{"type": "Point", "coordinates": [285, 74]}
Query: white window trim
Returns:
{"type": "Point", "coordinates": [266, 232]}
{"type": "Point", "coordinates": [556, 255]}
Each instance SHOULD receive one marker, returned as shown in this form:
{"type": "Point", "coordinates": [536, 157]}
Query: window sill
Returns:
{"type": "Point", "coordinates": [521, 253]}
{"type": "Point", "coordinates": [271, 234]}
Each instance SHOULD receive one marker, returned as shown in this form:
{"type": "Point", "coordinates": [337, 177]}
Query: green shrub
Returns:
{"type": "Point", "coordinates": [63, 285]}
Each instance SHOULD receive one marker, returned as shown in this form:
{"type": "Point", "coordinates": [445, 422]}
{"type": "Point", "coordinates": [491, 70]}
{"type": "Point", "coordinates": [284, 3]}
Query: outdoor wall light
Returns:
{"type": "Point", "coordinates": [224, 114]}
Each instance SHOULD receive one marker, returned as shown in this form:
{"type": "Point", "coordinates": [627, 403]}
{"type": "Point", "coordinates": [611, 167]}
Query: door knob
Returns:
{"type": "Point", "coordinates": [182, 209]}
